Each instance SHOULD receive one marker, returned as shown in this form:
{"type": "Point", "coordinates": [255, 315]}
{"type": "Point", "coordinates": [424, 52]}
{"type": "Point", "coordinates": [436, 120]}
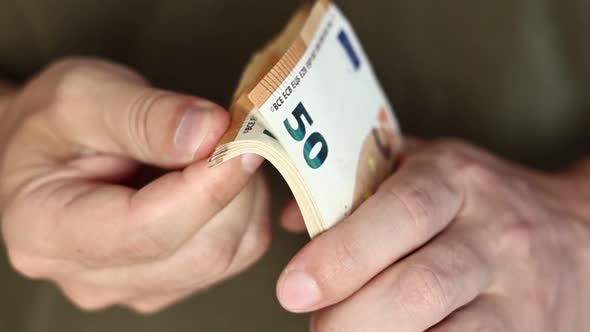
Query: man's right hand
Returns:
{"type": "Point", "coordinates": [72, 139]}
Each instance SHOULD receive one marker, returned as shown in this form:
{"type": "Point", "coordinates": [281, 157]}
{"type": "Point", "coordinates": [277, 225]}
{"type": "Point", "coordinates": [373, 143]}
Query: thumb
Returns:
{"type": "Point", "coordinates": [110, 112]}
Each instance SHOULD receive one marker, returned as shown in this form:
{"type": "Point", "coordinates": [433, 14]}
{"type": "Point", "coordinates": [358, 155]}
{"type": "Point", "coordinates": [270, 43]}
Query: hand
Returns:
{"type": "Point", "coordinates": [75, 136]}
{"type": "Point", "coordinates": [456, 240]}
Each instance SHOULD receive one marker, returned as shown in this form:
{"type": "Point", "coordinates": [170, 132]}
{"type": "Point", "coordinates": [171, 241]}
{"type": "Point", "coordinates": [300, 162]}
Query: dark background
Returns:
{"type": "Point", "coordinates": [510, 75]}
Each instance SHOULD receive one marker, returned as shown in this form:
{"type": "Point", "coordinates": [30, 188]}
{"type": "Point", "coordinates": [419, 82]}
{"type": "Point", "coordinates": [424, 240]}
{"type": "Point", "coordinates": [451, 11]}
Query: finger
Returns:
{"type": "Point", "coordinates": [257, 238]}
{"type": "Point", "coordinates": [167, 212]}
{"type": "Point", "coordinates": [252, 246]}
{"type": "Point", "coordinates": [407, 211]}
{"type": "Point", "coordinates": [88, 299]}
{"type": "Point", "coordinates": [191, 198]}
{"type": "Point", "coordinates": [208, 258]}
{"type": "Point", "coordinates": [292, 219]}
{"type": "Point", "coordinates": [109, 112]}
{"type": "Point", "coordinates": [111, 225]}
{"type": "Point", "coordinates": [488, 313]}
{"type": "Point", "coordinates": [417, 292]}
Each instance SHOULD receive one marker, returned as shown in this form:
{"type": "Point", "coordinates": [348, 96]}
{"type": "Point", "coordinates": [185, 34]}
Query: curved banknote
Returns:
{"type": "Point", "coordinates": [310, 103]}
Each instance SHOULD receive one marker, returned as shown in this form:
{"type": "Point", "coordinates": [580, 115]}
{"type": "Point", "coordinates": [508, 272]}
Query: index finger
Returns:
{"type": "Point", "coordinates": [72, 215]}
{"type": "Point", "coordinates": [409, 209]}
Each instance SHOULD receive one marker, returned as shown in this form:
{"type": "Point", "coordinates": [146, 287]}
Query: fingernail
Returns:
{"type": "Point", "coordinates": [192, 129]}
{"type": "Point", "coordinates": [251, 162]}
{"type": "Point", "coordinates": [299, 291]}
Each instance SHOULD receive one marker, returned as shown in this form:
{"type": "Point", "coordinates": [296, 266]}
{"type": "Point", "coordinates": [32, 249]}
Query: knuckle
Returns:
{"type": "Point", "coordinates": [477, 174]}
{"type": "Point", "coordinates": [418, 204]}
{"type": "Point", "coordinates": [425, 288]}
{"type": "Point", "coordinates": [467, 170]}
{"type": "Point", "coordinates": [217, 259]}
{"type": "Point", "coordinates": [147, 308]}
{"type": "Point", "coordinates": [72, 61]}
{"type": "Point", "coordinates": [72, 79]}
{"type": "Point", "coordinates": [66, 63]}
{"type": "Point", "coordinates": [347, 256]}
{"type": "Point", "coordinates": [140, 116]}
{"type": "Point", "coordinates": [99, 65]}
{"type": "Point", "coordinates": [212, 261]}
{"type": "Point", "coordinates": [75, 75]}
{"type": "Point", "coordinates": [518, 238]}
{"type": "Point", "coordinates": [459, 159]}
{"type": "Point", "coordinates": [87, 300]}
{"type": "Point", "coordinates": [258, 237]}
{"type": "Point", "coordinates": [26, 265]}
{"type": "Point", "coordinates": [76, 78]}
{"type": "Point", "coordinates": [448, 152]}
{"type": "Point", "coordinates": [87, 304]}
{"type": "Point", "coordinates": [255, 244]}
{"type": "Point", "coordinates": [264, 238]}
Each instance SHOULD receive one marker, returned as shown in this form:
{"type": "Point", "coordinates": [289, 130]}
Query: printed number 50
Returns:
{"type": "Point", "coordinates": [299, 132]}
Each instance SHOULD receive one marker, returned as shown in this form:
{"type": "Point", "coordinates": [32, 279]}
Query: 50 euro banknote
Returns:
{"type": "Point", "coordinates": [310, 103]}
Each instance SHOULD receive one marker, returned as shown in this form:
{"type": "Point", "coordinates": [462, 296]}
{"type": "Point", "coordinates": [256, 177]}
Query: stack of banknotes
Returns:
{"type": "Point", "coordinates": [310, 103]}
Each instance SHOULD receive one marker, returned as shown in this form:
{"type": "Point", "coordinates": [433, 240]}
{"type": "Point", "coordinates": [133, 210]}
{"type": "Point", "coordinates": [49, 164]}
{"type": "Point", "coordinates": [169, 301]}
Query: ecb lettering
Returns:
{"type": "Point", "coordinates": [299, 133]}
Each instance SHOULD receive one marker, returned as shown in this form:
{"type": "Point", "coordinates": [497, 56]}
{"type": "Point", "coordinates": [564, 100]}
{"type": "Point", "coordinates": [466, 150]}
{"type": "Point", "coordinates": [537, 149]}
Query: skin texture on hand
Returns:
{"type": "Point", "coordinates": [456, 240]}
{"type": "Point", "coordinates": [76, 137]}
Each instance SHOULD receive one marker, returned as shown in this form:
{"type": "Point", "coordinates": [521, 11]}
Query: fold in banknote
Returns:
{"type": "Point", "coordinates": [310, 103]}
